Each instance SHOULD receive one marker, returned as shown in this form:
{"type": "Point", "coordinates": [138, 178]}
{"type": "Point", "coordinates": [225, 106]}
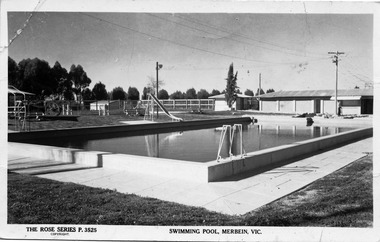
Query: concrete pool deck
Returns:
{"type": "Point", "coordinates": [234, 195]}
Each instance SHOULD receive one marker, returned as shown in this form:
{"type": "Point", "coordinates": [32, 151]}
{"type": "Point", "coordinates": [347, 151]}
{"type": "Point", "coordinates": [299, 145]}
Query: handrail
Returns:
{"type": "Point", "coordinates": [231, 136]}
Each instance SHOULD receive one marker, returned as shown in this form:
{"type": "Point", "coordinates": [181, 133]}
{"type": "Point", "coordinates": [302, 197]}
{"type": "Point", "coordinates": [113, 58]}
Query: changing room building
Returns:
{"type": "Point", "coordinates": [352, 101]}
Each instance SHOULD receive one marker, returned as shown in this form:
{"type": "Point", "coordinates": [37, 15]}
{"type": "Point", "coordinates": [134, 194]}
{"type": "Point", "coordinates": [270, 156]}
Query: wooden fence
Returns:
{"type": "Point", "coordinates": [186, 104]}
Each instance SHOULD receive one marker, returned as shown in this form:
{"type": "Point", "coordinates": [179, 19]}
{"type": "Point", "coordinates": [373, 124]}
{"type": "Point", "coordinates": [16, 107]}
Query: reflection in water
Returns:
{"type": "Point", "coordinates": [198, 145]}
{"type": "Point", "coordinates": [152, 142]}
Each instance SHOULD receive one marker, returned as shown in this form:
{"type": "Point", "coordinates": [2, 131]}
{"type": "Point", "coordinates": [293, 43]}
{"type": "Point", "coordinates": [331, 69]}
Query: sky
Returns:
{"type": "Point", "coordinates": [290, 51]}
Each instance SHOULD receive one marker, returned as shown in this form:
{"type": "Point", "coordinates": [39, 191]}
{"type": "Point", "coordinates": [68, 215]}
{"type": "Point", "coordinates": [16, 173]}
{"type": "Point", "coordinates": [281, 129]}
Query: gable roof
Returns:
{"type": "Point", "coordinates": [14, 91]}
{"type": "Point", "coordinates": [319, 93]}
{"type": "Point", "coordinates": [222, 96]}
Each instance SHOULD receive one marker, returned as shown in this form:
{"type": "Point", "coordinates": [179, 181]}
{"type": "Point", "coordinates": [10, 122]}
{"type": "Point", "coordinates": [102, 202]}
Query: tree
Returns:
{"type": "Point", "coordinates": [163, 94]}
{"type": "Point", "coordinates": [87, 94]}
{"type": "Point", "coordinates": [191, 94]}
{"type": "Point", "coordinates": [118, 93]}
{"type": "Point", "coordinates": [65, 89]}
{"type": "Point", "coordinates": [231, 87]}
{"type": "Point", "coordinates": [35, 77]}
{"type": "Point", "coordinates": [146, 90]}
{"type": "Point", "coordinates": [99, 91]}
{"type": "Point", "coordinates": [203, 94]}
{"type": "Point", "coordinates": [270, 90]}
{"type": "Point", "coordinates": [177, 95]}
{"type": "Point", "coordinates": [248, 92]}
{"type": "Point", "coordinates": [356, 87]}
{"type": "Point", "coordinates": [261, 91]}
{"type": "Point", "coordinates": [214, 92]}
{"type": "Point", "coordinates": [133, 93]}
{"type": "Point", "coordinates": [79, 78]}
{"type": "Point", "coordinates": [65, 86]}
{"type": "Point", "coordinates": [13, 71]}
{"type": "Point", "coordinates": [152, 84]}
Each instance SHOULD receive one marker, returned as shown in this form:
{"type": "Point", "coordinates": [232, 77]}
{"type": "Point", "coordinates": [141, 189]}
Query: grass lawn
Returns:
{"type": "Point", "coordinates": [341, 199]}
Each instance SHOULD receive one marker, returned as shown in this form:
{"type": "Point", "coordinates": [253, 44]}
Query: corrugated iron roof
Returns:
{"type": "Point", "coordinates": [319, 93]}
{"type": "Point", "coordinates": [221, 96]}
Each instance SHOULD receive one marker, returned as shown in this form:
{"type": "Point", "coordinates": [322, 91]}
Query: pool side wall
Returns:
{"type": "Point", "coordinates": [269, 158]}
{"type": "Point", "coordinates": [185, 170]}
{"type": "Point", "coordinates": [125, 129]}
{"type": "Point", "coordinates": [168, 168]}
{"type": "Point", "coordinates": [58, 154]}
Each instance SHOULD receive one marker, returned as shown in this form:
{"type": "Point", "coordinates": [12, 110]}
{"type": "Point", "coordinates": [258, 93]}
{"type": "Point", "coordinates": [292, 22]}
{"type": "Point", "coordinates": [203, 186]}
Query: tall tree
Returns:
{"type": "Point", "coordinates": [35, 76]}
{"type": "Point", "coordinates": [214, 92]}
{"type": "Point", "coordinates": [163, 94]}
{"type": "Point", "coordinates": [152, 84]}
{"type": "Point", "coordinates": [65, 86]}
{"type": "Point", "coordinates": [203, 94]}
{"type": "Point", "coordinates": [146, 90]}
{"type": "Point", "coordinates": [79, 78]}
{"type": "Point", "coordinates": [177, 95]}
{"type": "Point", "coordinates": [248, 92]}
{"type": "Point", "coordinates": [87, 94]}
{"type": "Point", "coordinates": [133, 93]}
{"type": "Point", "coordinates": [191, 93]}
{"type": "Point", "coordinates": [118, 93]}
{"type": "Point", "coordinates": [231, 87]}
{"type": "Point", "coordinates": [259, 91]}
{"type": "Point", "coordinates": [13, 71]}
{"type": "Point", "coordinates": [99, 91]}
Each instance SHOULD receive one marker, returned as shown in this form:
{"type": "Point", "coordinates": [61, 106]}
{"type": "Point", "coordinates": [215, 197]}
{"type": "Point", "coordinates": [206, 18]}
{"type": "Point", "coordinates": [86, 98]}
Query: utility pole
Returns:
{"type": "Point", "coordinates": [158, 66]}
{"type": "Point", "coordinates": [259, 93]}
{"type": "Point", "coordinates": [336, 61]}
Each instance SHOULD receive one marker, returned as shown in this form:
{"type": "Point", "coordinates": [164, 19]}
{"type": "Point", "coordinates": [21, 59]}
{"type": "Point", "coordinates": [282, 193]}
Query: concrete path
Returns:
{"type": "Point", "coordinates": [237, 195]}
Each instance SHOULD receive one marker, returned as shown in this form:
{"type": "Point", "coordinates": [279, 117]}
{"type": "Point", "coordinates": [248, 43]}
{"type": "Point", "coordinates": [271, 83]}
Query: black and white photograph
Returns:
{"type": "Point", "coordinates": [189, 120]}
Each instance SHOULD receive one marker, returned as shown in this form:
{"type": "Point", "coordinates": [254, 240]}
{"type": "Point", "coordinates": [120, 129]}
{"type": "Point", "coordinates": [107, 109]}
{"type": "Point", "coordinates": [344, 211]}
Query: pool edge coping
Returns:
{"type": "Point", "coordinates": [187, 170]}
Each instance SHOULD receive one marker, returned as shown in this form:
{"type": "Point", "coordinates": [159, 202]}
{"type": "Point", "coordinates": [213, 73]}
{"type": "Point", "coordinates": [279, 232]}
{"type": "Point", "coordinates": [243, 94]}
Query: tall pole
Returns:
{"type": "Point", "coordinates": [336, 61]}
{"type": "Point", "coordinates": [157, 86]}
{"type": "Point", "coordinates": [259, 93]}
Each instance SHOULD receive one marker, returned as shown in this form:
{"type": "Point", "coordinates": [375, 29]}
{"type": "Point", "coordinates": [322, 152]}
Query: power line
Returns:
{"type": "Point", "coordinates": [222, 36]}
{"type": "Point", "coordinates": [357, 70]}
{"type": "Point", "coordinates": [354, 75]}
{"type": "Point", "coordinates": [187, 46]}
{"type": "Point", "coordinates": [177, 43]}
{"type": "Point", "coordinates": [250, 38]}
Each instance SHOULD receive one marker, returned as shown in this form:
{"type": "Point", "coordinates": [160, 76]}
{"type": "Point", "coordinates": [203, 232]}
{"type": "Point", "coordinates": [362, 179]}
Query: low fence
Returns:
{"type": "Point", "coordinates": [123, 106]}
{"type": "Point", "coordinates": [103, 107]}
{"type": "Point", "coordinates": [186, 104]}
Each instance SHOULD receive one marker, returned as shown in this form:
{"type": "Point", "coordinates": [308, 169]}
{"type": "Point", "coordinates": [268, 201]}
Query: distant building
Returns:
{"type": "Point", "coordinates": [243, 102]}
{"type": "Point", "coordinates": [353, 101]}
{"type": "Point", "coordinates": [104, 105]}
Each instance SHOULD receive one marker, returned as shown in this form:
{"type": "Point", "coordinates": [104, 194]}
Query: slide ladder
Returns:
{"type": "Point", "coordinates": [230, 131]}
{"type": "Point", "coordinates": [154, 98]}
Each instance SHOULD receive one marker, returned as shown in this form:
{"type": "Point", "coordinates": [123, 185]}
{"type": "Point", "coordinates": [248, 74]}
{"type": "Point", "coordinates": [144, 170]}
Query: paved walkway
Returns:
{"type": "Point", "coordinates": [237, 195]}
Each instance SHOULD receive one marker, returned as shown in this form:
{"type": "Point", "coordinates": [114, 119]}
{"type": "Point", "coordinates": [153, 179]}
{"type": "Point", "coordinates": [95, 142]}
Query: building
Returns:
{"type": "Point", "coordinates": [243, 102]}
{"type": "Point", "coordinates": [353, 101]}
{"type": "Point", "coordinates": [104, 105]}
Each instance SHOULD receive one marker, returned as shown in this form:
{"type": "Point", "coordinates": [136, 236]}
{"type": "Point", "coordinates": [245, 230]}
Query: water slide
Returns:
{"type": "Point", "coordinates": [164, 109]}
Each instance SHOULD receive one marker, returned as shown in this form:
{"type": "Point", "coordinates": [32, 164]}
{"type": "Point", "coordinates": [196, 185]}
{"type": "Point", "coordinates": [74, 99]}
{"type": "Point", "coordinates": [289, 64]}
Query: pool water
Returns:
{"type": "Point", "coordinates": [198, 145]}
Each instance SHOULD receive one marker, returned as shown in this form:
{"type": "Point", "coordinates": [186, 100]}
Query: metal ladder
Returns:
{"type": "Point", "coordinates": [231, 130]}
{"type": "Point", "coordinates": [149, 109]}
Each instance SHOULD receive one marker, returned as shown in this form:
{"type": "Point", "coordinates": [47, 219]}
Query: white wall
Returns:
{"type": "Point", "coordinates": [221, 105]}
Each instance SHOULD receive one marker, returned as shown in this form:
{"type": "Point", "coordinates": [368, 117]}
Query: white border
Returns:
{"type": "Point", "coordinates": [180, 6]}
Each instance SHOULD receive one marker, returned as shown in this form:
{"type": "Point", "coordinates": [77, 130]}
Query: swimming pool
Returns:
{"type": "Point", "coordinates": [196, 145]}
